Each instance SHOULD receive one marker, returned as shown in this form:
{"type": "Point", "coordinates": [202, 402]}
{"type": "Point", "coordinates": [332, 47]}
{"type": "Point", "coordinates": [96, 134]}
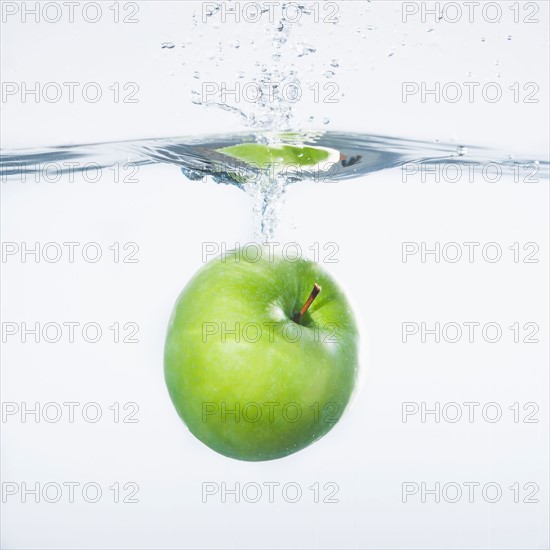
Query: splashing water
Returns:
{"type": "Point", "coordinates": [272, 85]}
{"type": "Point", "coordinates": [275, 80]}
{"type": "Point", "coordinates": [201, 159]}
{"type": "Point", "coordinates": [275, 65]}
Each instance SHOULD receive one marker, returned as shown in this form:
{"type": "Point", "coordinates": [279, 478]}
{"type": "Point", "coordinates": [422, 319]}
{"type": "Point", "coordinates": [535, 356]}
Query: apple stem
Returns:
{"type": "Point", "coordinates": [316, 289]}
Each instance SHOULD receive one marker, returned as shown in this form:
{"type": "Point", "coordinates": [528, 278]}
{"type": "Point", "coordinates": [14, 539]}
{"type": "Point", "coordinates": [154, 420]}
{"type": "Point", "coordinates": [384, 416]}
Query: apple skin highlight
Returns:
{"type": "Point", "coordinates": [248, 380]}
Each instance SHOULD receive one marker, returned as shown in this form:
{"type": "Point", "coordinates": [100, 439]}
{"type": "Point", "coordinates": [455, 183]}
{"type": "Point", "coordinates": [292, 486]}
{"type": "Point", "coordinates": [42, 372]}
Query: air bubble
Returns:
{"type": "Point", "coordinates": [213, 10]}
{"type": "Point", "coordinates": [305, 49]}
{"type": "Point", "coordinates": [167, 45]}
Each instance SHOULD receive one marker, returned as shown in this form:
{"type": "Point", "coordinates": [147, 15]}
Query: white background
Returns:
{"type": "Point", "coordinates": [371, 452]}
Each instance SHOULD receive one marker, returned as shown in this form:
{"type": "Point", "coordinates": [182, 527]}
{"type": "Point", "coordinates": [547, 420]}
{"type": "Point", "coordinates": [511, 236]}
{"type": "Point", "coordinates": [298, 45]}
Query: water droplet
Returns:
{"type": "Point", "coordinates": [392, 52]}
{"type": "Point", "coordinates": [328, 74]}
{"type": "Point", "coordinates": [196, 98]}
{"type": "Point", "coordinates": [236, 44]}
{"type": "Point", "coordinates": [335, 63]}
{"type": "Point", "coordinates": [310, 118]}
{"type": "Point", "coordinates": [196, 75]}
{"type": "Point", "coordinates": [483, 39]}
{"type": "Point", "coordinates": [431, 29]}
{"type": "Point", "coordinates": [305, 49]}
{"type": "Point", "coordinates": [167, 45]}
{"type": "Point", "coordinates": [461, 151]}
{"type": "Point", "coordinates": [509, 37]}
{"type": "Point", "coordinates": [240, 74]}
{"type": "Point", "coordinates": [212, 10]}
{"type": "Point", "coordinates": [326, 120]}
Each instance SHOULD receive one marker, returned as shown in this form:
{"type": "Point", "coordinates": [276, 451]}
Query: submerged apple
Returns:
{"type": "Point", "coordinates": [259, 365]}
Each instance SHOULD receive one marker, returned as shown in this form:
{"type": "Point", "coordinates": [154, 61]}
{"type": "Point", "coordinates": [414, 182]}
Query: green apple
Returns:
{"type": "Point", "coordinates": [257, 364]}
